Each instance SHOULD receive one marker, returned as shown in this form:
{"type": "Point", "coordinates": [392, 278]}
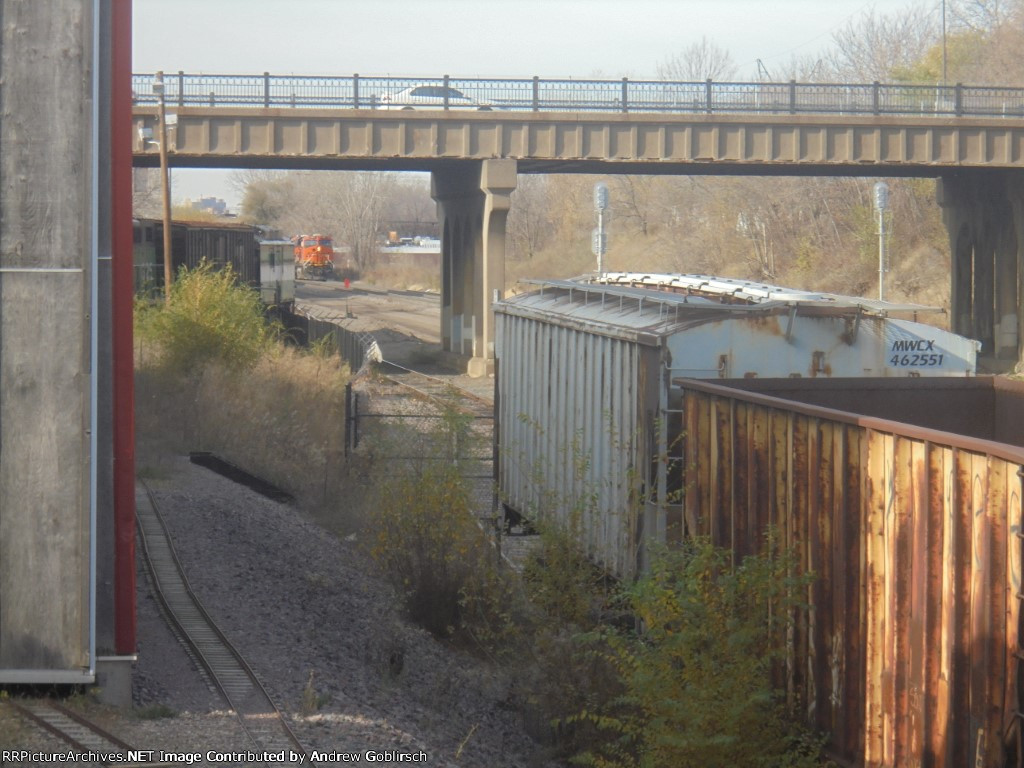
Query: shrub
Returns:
{"type": "Point", "coordinates": [431, 546]}
{"type": "Point", "coordinates": [697, 679]}
{"type": "Point", "coordinates": [207, 317]}
{"type": "Point", "coordinates": [562, 581]}
{"type": "Point", "coordinates": [212, 375]}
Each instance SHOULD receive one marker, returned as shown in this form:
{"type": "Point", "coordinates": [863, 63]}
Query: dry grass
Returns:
{"type": "Point", "coordinates": [283, 419]}
{"type": "Point", "coordinates": [405, 277]}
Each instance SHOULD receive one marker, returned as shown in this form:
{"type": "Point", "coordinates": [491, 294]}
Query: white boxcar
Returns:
{"type": "Point", "coordinates": [588, 419]}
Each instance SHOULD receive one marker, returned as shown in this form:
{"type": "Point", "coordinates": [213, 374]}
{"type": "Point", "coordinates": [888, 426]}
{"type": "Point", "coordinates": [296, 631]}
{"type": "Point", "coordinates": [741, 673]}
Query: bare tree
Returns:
{"type": "Point", "coordinates": [875, 46]}
{"type": "Point", "coordinates": [984, 42]}
{"type": "Point", "coordinates": [984, 15]}
{"type": "Point", "coordinates": [267, 196]}
{"type": "Point", "coordinates": [698, 61]}
{"type": "Point", "coordinates": [529, 220]}
{"type": "Point", "coordinates": [146, 195]}
{"type": "Point", "coordinates": [410, 200]}
{"type": "Point", "coordinates": [356, 201]}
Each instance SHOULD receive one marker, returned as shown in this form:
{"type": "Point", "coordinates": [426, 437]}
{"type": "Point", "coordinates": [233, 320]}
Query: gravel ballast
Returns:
{"type": "Point", "coordinates": [321, 628]}
{"type": "Point", "coordinates": [297, 602]}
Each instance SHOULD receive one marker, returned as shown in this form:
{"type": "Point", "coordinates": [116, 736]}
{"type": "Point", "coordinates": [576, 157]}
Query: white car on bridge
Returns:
{"type": "Point", "coordinates": [430, 97]}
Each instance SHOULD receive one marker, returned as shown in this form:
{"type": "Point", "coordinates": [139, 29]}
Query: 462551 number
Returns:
{"type": "Point", "coordinates": [916, 359]}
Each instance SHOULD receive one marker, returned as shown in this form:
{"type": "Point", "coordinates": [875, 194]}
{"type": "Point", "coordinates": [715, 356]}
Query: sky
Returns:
{"type": "Point", "coordinates": [471, 38]}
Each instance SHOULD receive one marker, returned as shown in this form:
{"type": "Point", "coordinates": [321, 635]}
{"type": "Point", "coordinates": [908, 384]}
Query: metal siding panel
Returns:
{"type": "Point", "coordinates": [744, 531]}
{"type": "Point", "coordinates": [800, 474]}
{"type": "Point", "coordinates": [858, 530]}
{"type": "Point", "coordinates": [589, 389]}
{"type": "Point", "coordinates": [944, 637]}
{"type": "Point", "coordinates": [555, 445]}
{"type": "Point", "coordinates": [901, 585]}
{"type": "Point", "coordinates": [717, 470]}
{"type": "Point", "coordinates": [1011, 694]}
{"type": "Point", "coordinates": [874, 725]}
{"type": "Point", "coordinates": [963, 545]}
{"type": "Point", "coordinates": [996, 669]}
{"type": "Point", "coordinates": [705, 467]}
{"type": "Point", "coordinates": [820, 530]}
{"type": "Point", "coordinates": [980, 604]}
{"type": "Point", "coordinates": [917, 588]}
{"type": "Point", "coordinates": [840, 560]}
{"type": "Point", "coordinates": [691, 459]}
{"type": "Point", "coordinates": [538, 401]}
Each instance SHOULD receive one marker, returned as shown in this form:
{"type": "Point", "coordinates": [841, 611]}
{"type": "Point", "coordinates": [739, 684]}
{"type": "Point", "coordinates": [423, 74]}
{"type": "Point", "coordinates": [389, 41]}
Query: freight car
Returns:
{"type": "Point", "coordinates": [893, 473]}
{"type": "Point", "coordinates": [262, 264]}
{"type": "Point", "coordinates": [588, 407]}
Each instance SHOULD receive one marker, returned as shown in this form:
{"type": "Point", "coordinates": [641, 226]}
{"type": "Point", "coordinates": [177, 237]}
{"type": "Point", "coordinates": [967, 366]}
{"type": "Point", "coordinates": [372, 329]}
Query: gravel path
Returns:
{"type": "Point", "coordinates": [297, 601]}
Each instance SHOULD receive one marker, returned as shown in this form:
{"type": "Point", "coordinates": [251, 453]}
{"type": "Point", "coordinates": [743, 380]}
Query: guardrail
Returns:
{"type": "Point", "coordinates": [536, 95]}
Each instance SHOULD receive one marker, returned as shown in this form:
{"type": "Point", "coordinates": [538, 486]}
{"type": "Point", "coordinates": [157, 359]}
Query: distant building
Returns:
{"type": "Point", "coordinates": [212, 205]}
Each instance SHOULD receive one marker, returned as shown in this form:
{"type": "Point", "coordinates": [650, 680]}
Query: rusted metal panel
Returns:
{"type": "Point", "coordinates": [909, 655]}
{"type": "Point", "coordinates": [1011, 723]}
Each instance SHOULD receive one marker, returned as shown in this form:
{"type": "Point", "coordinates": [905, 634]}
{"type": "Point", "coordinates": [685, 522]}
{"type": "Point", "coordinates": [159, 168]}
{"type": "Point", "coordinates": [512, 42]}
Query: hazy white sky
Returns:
{"type": "Point", "coordinates": [472, 38]}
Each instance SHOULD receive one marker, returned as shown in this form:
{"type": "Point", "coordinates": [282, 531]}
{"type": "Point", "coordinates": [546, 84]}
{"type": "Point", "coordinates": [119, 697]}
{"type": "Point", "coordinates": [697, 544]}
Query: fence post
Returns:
{"type": "Point", "coordinates": [213, 99]}
{"type": "Point", "coordinates": [707, 95]}
{"type": "Point", "coordinates": [499, 522]}
{"type": "Point", "coordinates": [348, 416]}
{"type": "Point", "coordinates": [181, 88]}
{"type": "Point", "coordinates": [446, 92]}
{"type": "Point", "coordinates": [625, 97]}
{"type": "Point", "coordinates": [266, 89]}
{"type": "Point", "coordinates": [355, 420]}
{"type": "Point", "coordinates": [958, 99]}
{"type": "Point", "coordinates": [355, 90]}
{"type": "Point", "coordinates": [536, 93]}
{"type": "Point", "coordinates": [875, 98]}
{"type": "Point", "coordinates": [792, 97]}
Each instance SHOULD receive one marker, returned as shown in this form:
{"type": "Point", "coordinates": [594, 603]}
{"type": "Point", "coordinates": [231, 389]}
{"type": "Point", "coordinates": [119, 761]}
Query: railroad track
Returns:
{"type": "Point", "coordinates": [224, 666]}
{"type": "Point", "coordinates": [75, 730]}
{"type": "Point", "coordinates": [438, 389]}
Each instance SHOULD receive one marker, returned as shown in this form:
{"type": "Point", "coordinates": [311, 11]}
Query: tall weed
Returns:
{"type": "Point", "coordinates": [425, 534]}
{"type": "Point", "coordinates": [207, 318]}
{"type": "Point", "coordinates": [697, 679]}
{"type": "Point", "coordinates": [212, 375]}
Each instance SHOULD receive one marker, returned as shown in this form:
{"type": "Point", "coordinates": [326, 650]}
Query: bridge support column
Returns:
{"type": "Point", "coordinates": [984, 215]}
{"type": "Point", "coordinates": [473, 201]}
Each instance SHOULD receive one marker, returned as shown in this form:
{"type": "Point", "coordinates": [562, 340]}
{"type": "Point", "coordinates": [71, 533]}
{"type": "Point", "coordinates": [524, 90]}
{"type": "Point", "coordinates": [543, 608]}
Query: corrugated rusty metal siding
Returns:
{"type": "Point", "coordinates": [908, 655]}
{"type": "Point", "coordinates": [573, 434]}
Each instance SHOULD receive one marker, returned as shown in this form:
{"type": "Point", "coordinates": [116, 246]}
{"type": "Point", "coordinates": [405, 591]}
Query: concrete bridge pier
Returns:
{"type": "Point", "coordinates": [984, 215]}
{"type": "Point", "coordinates": [473, 200]}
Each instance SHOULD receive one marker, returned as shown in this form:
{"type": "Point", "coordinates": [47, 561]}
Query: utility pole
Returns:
{"type": "Point", "coordinates": [165, 184]}
{"type": "Point", "coordinates": [600, 241]}
{"type": "Point", "coordinates": [881, 204]}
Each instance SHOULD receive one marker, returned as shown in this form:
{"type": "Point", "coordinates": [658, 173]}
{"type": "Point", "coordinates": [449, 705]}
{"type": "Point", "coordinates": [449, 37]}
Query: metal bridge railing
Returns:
{"type": "Point", "coordinates": [624, 95]}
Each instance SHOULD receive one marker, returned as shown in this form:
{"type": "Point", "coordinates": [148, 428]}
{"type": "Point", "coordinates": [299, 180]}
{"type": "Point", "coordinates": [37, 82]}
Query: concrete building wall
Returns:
{"type": "Point", "coordinates": [46, 254]}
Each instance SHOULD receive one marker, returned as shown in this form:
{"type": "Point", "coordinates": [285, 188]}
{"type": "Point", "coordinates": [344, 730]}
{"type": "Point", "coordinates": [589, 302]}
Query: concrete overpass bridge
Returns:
{"type": "Point", "coordinates": [476, 136]}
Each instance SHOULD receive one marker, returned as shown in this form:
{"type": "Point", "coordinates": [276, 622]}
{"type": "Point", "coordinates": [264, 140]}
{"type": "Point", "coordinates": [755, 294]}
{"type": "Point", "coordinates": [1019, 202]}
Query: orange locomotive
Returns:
{"type": "Point", "coordinates": [314, 256]}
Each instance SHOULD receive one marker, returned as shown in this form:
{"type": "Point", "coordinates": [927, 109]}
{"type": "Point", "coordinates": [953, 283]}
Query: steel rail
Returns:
{"type": "Point", "coordinates": [256, 711]}
{"type": "Point", "coordinates": [438, 390]}
{"type": "Point", "coordinates": [77, 731]}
